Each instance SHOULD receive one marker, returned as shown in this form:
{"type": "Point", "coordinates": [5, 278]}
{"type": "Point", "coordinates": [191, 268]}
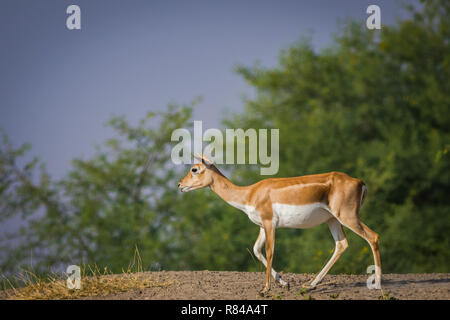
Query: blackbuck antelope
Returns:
{"type": "Point", "coordinates": [298, 202]}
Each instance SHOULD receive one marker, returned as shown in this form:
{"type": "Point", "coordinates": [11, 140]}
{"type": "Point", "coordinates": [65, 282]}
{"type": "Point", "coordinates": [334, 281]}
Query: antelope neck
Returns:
{"type": "Point", "coordinates": [228, 191]}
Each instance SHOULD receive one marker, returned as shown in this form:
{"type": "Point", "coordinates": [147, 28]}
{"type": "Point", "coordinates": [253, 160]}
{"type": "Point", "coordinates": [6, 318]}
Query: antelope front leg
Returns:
{"type": "Point", "coordinates": [257, 250]}
{"type": "Point", "coordinates": [270, 240]}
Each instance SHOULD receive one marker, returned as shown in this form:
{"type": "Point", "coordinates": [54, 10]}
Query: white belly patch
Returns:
{"type": "Point", "coordinates": [290, 216]}
{"type": "Point", "coordinates": [300, 216]}
{"type": "Point", "coordinates": [252, 214]}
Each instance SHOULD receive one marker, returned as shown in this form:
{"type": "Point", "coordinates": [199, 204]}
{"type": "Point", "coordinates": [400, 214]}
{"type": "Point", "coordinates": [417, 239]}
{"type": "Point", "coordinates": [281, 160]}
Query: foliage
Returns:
{"type": "Point", "coordinates": [376, 106]}
{"type": "Point", "coordinates": [106, 206]}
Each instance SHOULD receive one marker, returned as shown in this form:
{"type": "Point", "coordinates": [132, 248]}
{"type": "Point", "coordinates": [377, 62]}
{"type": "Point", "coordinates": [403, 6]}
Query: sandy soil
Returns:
{"type": "Point", "coordinates": [206, 285]}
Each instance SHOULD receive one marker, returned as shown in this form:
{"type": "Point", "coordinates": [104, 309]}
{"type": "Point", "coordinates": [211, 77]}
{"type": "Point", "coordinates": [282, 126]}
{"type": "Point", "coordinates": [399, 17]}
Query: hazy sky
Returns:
{"type": "Point", "coordinates": [58, 87]}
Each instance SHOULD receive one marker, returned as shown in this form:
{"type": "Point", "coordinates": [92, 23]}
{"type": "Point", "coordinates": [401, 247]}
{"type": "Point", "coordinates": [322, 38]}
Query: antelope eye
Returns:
{"type": "Point", "coordinates": [194, 170]}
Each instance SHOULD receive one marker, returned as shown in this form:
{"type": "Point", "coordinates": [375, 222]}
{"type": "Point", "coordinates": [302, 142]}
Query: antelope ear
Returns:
{"type": "Point", "coordinates": [204, 160]}
{"type": "Point", "coordinates": [197, 157]}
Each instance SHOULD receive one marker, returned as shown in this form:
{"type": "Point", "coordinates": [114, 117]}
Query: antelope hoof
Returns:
{"type": "Point", "coordinates": [263, 292]}
{"type": "Point", "coordinates": [309, 286]}
{"type": "Point", "coordinates": [281, 281]}
{"type": "Point", "coordinates": [378, 285]}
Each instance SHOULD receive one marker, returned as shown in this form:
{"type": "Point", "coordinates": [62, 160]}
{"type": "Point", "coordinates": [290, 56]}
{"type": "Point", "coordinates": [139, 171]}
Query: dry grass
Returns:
{"type": "Point", "coordinates": [100, 285]}
{"type": "Point", "coordinates": [94, 282]}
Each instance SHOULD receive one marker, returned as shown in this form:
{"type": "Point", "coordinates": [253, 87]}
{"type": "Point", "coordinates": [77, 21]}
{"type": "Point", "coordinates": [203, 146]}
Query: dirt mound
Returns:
{"type": "Point", "coordinates": [207, 285]}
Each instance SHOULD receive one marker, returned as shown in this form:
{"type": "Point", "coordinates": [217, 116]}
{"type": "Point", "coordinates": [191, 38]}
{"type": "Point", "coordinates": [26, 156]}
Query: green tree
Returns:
{"type": "Point", "coordinates": [376, 106]}
{"type": "Point", "coordinates": [107, 206]}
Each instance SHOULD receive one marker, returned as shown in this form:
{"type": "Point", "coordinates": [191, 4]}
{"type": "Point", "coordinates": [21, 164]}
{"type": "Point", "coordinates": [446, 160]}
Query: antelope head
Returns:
{"type": "Point", "coordinates": [200, 175]}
